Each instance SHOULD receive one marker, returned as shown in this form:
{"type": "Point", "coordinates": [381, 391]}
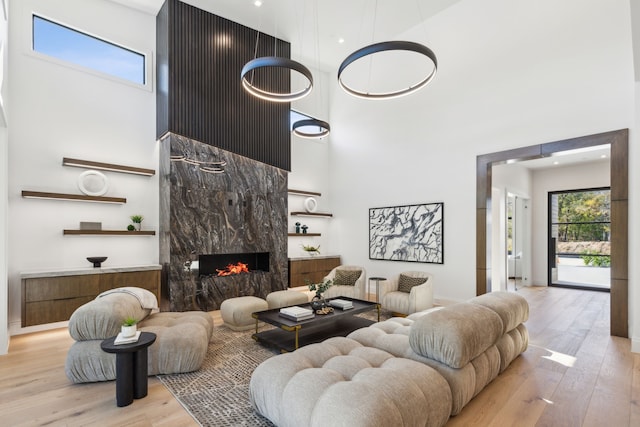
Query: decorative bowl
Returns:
{"type": "Point", "coordinates": [96, 260]}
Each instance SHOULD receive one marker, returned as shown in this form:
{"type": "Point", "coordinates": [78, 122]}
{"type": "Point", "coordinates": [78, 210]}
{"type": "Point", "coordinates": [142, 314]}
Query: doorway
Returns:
{"type": "Point", "coordinates": [579, 239]}
{"type": "Point", "coordinates": [618, 141]}
{"type": "Point", "coordinates": [518, 245]}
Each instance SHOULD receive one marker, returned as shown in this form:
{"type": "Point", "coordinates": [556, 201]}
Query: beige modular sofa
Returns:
{"type": "Point", "coordinates": [414, 371]}
{"type": "Point", "coordinates": [181, 342]}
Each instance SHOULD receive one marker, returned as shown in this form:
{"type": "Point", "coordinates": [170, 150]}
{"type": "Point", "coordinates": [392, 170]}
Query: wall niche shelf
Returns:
{"type": "Point", "coordinates": [88, 164]}
{"type": "Point", "coordinates": [315, 214]}
{"type": "Point", "coordinates": [108, 233]}
{"type": "Point", "coordinates": [303, 192]}
{"type": "Point", "coordinates": [305, 234]}
{"type": "Point", "coordinates": [72, 197]}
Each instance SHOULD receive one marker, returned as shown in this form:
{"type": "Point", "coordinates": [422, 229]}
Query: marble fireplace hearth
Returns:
{"type": "Point", "coordinates": [240, 211]}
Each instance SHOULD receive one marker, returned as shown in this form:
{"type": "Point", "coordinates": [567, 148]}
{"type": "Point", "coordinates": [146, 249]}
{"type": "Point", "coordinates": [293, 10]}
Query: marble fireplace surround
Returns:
{"type": "Point", "coordinates": [243, 210]}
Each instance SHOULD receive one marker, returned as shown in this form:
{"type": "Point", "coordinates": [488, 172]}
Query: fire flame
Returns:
{"type": "Point", "coordinates": [233, 269]}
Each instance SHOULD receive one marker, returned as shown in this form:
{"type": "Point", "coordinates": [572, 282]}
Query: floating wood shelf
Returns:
{"type": "Point", "coordinates": [66, 161]}
{"type": "Point", "coordinates": [72, 197]}
{"type": "Point", "coordinates": [109, 232]}
{"type": "Point", "coordinates": [304, 234]}
{"type": "Point", "coordinates": [303, 192]}
{"type": "Point", "coordinates": [302, 213]}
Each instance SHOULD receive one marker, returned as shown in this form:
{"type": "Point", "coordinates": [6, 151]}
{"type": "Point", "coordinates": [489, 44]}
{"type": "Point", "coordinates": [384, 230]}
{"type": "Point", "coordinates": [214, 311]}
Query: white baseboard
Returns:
{"type": "Point", "coordinates": [16, 329]}
{"type": "Point", "coordinates": [635, 344]}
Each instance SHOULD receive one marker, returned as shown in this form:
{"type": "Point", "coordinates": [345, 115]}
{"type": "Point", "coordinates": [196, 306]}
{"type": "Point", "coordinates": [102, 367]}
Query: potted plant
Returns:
{"type": "Point", "coordinates": [137, 220]}
{"type": "Point", "coordinates": [319, 288]}
{"type": "Point", "coordinates": [311, 250]}
{"type": "Point", "coordinates": [129, 327]}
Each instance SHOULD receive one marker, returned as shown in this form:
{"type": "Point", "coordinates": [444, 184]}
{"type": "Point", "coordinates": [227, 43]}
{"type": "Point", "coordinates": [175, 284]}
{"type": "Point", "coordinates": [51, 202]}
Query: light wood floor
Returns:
{"type": "Point", "coordinates": [573, 374]}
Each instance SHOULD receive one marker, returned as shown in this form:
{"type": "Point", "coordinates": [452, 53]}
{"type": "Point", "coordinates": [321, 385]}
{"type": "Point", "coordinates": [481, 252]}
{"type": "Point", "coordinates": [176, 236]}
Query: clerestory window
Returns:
{"type": "Point", "coordinates": [87, 51]}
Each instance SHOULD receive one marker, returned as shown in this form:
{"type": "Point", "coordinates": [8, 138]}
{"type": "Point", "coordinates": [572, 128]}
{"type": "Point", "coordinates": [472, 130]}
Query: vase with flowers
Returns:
{"type": "Point", "coordinates": [318, 302]}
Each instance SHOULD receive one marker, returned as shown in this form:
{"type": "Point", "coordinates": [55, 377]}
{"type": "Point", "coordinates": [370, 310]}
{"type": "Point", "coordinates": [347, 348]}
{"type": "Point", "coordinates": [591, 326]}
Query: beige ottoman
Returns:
{"type": "Point", "coordinates": [279, 299]}
{"type": "Point", "coordinates": [236, 312]}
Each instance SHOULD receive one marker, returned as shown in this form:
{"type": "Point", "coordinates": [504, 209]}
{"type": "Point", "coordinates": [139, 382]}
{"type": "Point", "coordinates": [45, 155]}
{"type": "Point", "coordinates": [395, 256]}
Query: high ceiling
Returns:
{"type": "Point", "coordinates": [315, 27]}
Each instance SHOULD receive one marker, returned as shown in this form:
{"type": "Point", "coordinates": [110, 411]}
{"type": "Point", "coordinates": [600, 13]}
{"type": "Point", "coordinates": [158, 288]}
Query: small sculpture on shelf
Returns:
{"type": "Point", "coordinates": [297, 228]}
{"type": "Point", "coordinates": [304, 229]}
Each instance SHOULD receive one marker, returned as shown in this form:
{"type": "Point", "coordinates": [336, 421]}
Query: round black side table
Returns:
{"type": "Point", "coordinates": [131, 367]}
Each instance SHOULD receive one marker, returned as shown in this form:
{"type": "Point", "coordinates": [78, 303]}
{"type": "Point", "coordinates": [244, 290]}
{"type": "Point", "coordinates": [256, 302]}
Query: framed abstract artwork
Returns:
{"type": "Point", "coordinates": [412, 233]}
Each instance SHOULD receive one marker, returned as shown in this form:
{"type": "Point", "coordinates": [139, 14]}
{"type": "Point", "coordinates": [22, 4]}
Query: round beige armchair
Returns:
{"type": "Point", "coordinates": [347, 282]}
{"type": "Point", "coordinates": [408, 292]}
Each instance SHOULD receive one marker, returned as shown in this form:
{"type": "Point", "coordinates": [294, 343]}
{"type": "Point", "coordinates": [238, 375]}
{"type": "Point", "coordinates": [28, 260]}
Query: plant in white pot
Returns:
{"type": "Point", "coordinates": [129, 327]}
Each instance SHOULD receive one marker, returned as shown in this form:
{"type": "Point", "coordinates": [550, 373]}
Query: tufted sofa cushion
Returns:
{"type": "Point", "coordinates": [512, 308]}
{"type": "Point", "coordinates": [393, 336]}
{"type": "Point", "coordinates": [365, 385]}
{"type": "Point", "coordinates": [181, 342]}
{"type": "Point", "coordinates": [181, 346]}
{"type": "Point", "coordinates": [102, 318]}
{"type": "Point", "coordinates": [456, 334]}
{"type": "Point", "coordinates": [468, 380]}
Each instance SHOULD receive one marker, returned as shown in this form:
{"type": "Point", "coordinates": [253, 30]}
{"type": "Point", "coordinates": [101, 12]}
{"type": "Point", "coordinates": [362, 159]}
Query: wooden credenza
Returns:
{"type": "Point", "coordinates": [311, 269]}
{"type": "Point", "coordinates": [49, 297]}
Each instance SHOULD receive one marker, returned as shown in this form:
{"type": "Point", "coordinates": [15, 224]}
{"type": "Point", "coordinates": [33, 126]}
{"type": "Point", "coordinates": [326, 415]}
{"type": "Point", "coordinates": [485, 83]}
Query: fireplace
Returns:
{"type": "Point", "coordinates": [212, 264]}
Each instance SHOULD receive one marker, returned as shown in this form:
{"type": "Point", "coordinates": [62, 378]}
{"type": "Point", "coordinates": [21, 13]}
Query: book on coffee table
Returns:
{"type": "Point", "coordinates": [296, 313]}
{"type": "Point", "coordinates": [341, 303]}
{"type": "Point", "coordinates": [297, 318]}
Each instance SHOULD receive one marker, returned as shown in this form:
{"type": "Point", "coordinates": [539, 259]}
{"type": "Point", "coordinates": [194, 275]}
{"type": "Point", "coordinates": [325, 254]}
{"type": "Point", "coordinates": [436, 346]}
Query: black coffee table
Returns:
{"type": "Point", "coordinates": [131, 367]}
{"type": "Point", "coordinates": [290, 335]}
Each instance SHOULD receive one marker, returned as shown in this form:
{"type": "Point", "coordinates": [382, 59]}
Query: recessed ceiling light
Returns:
{"type": "Point", "coordinates": [340, 40]}
{"type": "Point", "coordinates": [604, 156]}
{"type": "Point", "coordinates": [257, 3]}
{"type": "Point", "coordinates": [556, 162]}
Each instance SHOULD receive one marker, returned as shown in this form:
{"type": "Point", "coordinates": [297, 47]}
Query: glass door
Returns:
{"type": "Point", "coordinates": [580, 239]}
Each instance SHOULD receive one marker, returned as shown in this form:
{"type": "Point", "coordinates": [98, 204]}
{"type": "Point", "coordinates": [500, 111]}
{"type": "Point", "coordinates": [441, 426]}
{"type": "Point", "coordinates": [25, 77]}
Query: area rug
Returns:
{"type": "Point", "coordinates": [218, 394]}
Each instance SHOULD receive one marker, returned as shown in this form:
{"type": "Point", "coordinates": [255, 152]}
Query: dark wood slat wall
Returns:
{"type": "Point", "coordinates": [205, 100]}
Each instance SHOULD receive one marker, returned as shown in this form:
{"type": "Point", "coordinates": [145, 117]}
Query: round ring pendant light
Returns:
{"type": "Point", "coordinates": [275, 61]}
{"type": "Point", "coordinates": [382, 47]}
{"type": "Point", "coordinates": [323, 128]}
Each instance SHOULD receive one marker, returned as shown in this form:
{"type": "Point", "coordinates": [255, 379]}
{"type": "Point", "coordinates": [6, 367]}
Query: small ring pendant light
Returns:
{"type": "Point", "coordinates": [275, 61]}
{"type": "Point", "coordinates": [323, 128]}
{"type": "Point", "coordinates": [387, 46]}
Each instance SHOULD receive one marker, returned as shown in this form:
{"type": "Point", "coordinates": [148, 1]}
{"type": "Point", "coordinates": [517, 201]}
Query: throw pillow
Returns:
{"type": "Point", "coordinates": [405, 283]}
{"type": "Point", "coordinates": [346, 277]}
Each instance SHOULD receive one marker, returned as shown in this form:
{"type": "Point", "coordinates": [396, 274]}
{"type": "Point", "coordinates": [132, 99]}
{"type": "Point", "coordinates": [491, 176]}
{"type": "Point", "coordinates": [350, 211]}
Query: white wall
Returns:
{"type": "Point", "coordinates": [4, 208]}
{"type": "Point", "coordinates": [587, 175]}
{"type": "Point", "coordinates": [59, 111]}
{"type": "Point", "coordinates": [310, 171]}
{"type": "Point", "coordinates": [511, 74]}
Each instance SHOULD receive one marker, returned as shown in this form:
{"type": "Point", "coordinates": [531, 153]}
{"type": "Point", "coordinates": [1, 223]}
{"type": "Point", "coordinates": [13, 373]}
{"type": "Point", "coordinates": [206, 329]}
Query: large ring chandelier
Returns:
{"type": "Point", "coordinates": [386, 46]}
{"type": "Point", "coordinates": [280, 62]}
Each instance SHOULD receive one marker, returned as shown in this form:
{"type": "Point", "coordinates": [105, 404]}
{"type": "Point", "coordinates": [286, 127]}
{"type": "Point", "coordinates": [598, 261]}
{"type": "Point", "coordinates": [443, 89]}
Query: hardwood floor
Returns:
{"type": "Point", "coordinates": [573, 374]}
